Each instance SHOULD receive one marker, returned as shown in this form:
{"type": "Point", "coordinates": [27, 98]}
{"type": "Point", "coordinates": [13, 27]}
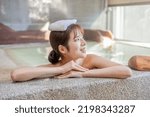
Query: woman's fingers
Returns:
{"type": "Point", "coordinates": [73, 66]}
{"type": "Point", "coordinates": [80, 68]}
{"type": "Point", "coordinates": [61, 76]}
{"type": "Point", "coordinates": [70, 74]}
{"type": "Point", "coordinates": [66, 75]}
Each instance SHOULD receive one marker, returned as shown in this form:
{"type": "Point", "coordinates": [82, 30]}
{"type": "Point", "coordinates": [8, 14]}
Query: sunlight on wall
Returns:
{"type": "Point", "coordinates": [39, 11]}
{"type": "Point", "coordinates": [58, 10]}
{"type": "Point", "coordinates": [2, 10]}
{"type": "Point", "coordinates": [34, 14]}
{"type": "Point", "coordinates": [62, 6]}
{"type": "Point", "coordinates": [45, 26]}
{"type": "Point", "coordinates": [100, 22]}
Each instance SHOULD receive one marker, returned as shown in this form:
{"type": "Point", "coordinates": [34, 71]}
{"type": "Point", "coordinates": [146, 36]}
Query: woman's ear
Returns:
{"type": "Point", "coordinates": [62, 49]}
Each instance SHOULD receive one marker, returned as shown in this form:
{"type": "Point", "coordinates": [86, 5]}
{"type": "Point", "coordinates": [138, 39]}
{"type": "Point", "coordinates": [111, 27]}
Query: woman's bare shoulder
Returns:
{"type": "Point", "coordinates": [90, 57]}
{"type": "Point", "coordinates": [87, 62]}
{"type": "Point", "coordinates": [96, 61]}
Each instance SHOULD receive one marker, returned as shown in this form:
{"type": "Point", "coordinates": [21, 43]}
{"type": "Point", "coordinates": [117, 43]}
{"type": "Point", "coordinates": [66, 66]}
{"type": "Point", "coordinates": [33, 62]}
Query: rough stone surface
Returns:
{"type": "Point", "coordinates": [133, 88]}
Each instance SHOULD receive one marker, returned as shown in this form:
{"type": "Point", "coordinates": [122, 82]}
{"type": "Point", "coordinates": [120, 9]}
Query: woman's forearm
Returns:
{"type": "Point", "coordinates": [109, 72]}
{"type": "Point", "coordinates": [24, 74]}
{"type": "Point", "coordinates": [28, 73]}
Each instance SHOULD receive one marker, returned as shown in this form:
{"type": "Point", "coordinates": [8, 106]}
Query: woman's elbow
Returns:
{"type": "Point", "coordinates": [127, 73]}
{"type": "Point", "coordinates": [14, 76]}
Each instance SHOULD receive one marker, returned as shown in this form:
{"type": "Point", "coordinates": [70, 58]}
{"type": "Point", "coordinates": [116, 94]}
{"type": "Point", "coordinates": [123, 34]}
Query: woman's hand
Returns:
{"type": "Point", "coordinates": [72, 66]}
{"type": "Point", "coordinates": [70, 74]}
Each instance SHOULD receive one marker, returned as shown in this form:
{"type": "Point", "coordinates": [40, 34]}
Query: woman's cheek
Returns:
{"type": "Point", "coordinates": [78, 45]}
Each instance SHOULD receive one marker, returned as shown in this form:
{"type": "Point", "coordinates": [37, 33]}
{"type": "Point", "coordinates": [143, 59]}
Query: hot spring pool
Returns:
{"type": "Point", "coordinates": [36, 54]}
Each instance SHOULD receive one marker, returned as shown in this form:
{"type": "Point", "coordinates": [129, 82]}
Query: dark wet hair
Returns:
{"type": "Point", "coordinates": [61, 38]}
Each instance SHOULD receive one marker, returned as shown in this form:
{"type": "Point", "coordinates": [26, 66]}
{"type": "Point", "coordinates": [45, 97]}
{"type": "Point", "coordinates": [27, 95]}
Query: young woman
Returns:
{"type": "Point", "coordinates": [69, 59]}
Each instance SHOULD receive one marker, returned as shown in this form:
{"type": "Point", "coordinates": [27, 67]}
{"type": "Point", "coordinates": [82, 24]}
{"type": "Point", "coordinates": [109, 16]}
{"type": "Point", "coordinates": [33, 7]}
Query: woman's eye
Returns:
{"type": "Point", "coordinates": [77, 39]}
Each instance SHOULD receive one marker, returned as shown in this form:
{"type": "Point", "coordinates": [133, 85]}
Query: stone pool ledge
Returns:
{"type": "Point", "coordinates": [133, 88]}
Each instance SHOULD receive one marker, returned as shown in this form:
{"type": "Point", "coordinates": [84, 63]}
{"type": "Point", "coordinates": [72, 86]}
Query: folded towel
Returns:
{"type": "Point", "coordinates": [61, 25]}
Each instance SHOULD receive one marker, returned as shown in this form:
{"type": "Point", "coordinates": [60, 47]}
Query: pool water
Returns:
{"type": "Point", "coordinates": [36, 55]}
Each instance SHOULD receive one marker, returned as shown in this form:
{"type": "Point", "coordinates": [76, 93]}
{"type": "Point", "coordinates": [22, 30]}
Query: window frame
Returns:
{"type": "Point", "coordinates": [127, 2]}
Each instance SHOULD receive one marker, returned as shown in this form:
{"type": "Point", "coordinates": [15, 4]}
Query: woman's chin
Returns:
{"type": "Point", "coordinates": [83, 55]}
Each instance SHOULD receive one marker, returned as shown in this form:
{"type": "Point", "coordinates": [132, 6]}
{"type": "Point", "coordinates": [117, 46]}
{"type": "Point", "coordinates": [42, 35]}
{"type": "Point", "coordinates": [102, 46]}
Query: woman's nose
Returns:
{"type": "Point", "coordinates": [83, 42]}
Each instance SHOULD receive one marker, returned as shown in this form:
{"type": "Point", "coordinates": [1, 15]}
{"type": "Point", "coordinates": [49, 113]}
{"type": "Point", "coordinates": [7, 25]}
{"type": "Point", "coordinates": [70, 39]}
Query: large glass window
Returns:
{"type": "Point", "coordinates": [130, 23]}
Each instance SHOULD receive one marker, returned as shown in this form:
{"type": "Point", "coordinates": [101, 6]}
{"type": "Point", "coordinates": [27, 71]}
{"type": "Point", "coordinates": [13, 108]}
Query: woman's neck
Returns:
{"type": "Point", "coordinates": [65, 60]}
{"type": "Point", "coordinates": [78, 61]}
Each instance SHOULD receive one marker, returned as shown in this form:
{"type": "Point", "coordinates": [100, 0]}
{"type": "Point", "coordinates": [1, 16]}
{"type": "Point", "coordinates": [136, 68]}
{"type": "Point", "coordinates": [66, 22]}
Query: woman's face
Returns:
{"type": "Point", "coordinates": [77, 45]}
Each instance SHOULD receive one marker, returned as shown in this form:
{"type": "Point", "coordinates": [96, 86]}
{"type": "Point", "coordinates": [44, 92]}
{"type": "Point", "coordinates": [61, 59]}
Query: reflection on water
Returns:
{"type": "Point", "coordinates": [118, 52]}
{"type": "Point", "coordinates": [38, 55]}
{"type": "Point", "coordinates": [29, 56]}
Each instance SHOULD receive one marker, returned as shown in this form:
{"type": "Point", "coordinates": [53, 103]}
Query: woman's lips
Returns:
{"type": "Point", "coordinates": [83, 49]}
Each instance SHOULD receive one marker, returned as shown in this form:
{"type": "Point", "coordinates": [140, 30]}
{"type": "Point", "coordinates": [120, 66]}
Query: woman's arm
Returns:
{"type": "Point", "coordinates": [109, 72]}
{"type": "Point", "coordinates": [28, 73]}
{"type": "Point", "coordinates": [103, 68]}
{"type": "Point", "coordinates": [106, 68]}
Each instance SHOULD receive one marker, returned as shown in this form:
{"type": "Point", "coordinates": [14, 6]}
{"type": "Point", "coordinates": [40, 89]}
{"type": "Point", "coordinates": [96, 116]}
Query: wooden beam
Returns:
{"type": "Point", "coordinates": [127, 2]}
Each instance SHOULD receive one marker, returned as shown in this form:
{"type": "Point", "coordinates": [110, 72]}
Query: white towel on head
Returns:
{"type": "Point", "coordinates": [61, 25]}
